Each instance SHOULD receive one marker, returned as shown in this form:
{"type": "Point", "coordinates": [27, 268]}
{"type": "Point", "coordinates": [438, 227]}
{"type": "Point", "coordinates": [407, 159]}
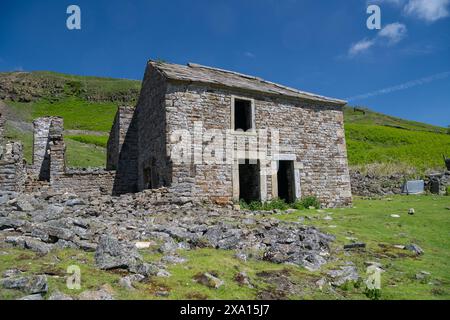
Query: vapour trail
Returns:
{"type": "Point", "coordinates": [403, 86]}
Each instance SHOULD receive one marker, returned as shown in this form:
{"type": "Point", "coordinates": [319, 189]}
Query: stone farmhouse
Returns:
{"type": "Point", "coordinates": [206, 133]}
{"type": "Point", "coordinates": [305, 133]}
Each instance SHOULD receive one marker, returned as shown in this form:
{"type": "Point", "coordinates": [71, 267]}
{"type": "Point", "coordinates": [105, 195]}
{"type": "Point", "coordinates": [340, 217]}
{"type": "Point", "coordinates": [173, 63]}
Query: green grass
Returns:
{"type": "Point", "coordinates": [370, 117]}
{"type": "Point", "coordinates": [369, 221]}
{"type": "Point", "coordinates": [82, 155]}
{"type": "Point", "coordinates": [378, 144]}
{"type": "Point", "coordinates": [78, 114]}
{"type": "Point", "coordinates": [100, 141]}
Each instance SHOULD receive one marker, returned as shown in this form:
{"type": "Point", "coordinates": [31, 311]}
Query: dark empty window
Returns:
{"type": "Point", "coordinates": [243, 115]}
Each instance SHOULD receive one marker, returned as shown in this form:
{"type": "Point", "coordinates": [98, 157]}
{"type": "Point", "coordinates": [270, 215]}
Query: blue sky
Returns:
{"type": "Point", "coordinates": [318, 46]}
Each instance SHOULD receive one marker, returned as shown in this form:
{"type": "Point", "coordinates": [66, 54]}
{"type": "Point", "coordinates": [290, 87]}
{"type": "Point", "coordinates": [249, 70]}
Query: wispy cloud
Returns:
{"type": "Point", "coordinates": [392, 2]}
{"type": "Point", "coordinates": [403, 86]}
{"type": "Point", "coordinates": [360, 47]}
{"type": "Point", "coordinates": [391, 34]}
{"type": "Point", "coordinates": [249, 54]}
{"type": "Point", "coordinates": [428, 10]}
{"type": "Point", "coordinates": [394, 32]}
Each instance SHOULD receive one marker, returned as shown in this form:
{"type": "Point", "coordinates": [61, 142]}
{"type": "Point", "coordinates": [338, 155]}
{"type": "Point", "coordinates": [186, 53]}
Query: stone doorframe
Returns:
{"type": "Point", "coordinates": [262, 179]}
{"type": "Point", "coordinates": [297, 167]}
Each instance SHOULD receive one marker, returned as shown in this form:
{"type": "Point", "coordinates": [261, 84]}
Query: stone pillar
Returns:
{"type": "Point", "coordinates": [118, 134]}
{"type": "Point", "coordinates": [41, 156]}
{"type": "Point", "coordinates": [57, 148]}
{"type": "Point", "coordinates": [47, 136]}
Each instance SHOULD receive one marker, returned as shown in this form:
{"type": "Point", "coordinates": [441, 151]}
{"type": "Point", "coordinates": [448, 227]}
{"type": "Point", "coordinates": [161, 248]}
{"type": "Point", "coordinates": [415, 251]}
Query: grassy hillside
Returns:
{"type": "Point", "coordinates": [88, 106]}
{"type": "Point", "coordinates": [393, 143]}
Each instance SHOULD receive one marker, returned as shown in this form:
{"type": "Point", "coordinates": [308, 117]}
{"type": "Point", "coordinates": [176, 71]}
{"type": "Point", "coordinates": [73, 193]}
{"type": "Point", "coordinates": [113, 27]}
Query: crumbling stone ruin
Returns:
{"type": "Point", "coordinates": [187, 102]}
{"type": "Point", "coordinates": [48, 168]}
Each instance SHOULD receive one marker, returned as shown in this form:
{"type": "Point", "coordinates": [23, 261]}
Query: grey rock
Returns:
{"type": "Point", "coordinates": [209, 280]}
{"type": "Point", "coordinates": [59, 296]}
{"type": "Point", "coordinates": [30, 284]}
{"type": "Point", "coordinates": [343, 275]}
{"type": "Point", "coordinates": [169, 246]}
{"type": "Point", "coordinates": [7, 223]}
{"type": "Point", "coordinates": [22, 204]}
{"type": "Point", "coordinates": [173, 259]}
{"type": "Point", "coordinates": [126, 283]}
{"type": "Point", "coordinates": [29, 243]}
{"type": "Point", "coordinates": [112, 254]}
{"type": "Point", "coordinates": [104, 293]}
{"type": "Point", "coordinates": [350, 246]}
{"type": "Point", "coordinates": [75, 202]}
{"type": "Point", "coordinates": [32, 297]}
{"type": "Point", "coordinates": [242, 279]}
{"type": "Point", "coordinates": [414, 248]}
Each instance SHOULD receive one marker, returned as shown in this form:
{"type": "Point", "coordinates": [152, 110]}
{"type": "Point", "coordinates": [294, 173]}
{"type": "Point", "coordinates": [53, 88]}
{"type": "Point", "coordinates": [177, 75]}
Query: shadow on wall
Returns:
{"type": "Point", "coordinates": [127, 158]}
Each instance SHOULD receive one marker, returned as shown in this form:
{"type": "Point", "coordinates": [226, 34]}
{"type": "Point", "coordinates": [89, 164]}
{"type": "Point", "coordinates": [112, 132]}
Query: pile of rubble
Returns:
{"type": "Point", "coordinates": [116, 227]}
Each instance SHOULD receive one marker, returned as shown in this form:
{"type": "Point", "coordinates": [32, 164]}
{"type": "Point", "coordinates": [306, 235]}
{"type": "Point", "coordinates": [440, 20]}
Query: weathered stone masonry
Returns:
{"type": "Point", "coordinates": [48, 170]}
{"type": "Point", "coordinates": [311, 134]}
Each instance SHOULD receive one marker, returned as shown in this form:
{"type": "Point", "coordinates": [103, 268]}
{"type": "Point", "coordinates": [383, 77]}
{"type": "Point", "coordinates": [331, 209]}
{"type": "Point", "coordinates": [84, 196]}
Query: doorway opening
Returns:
{"type": "Point", "coordinates": [249, 181]}
{"type": "Point", "coordinates": [286, 181]}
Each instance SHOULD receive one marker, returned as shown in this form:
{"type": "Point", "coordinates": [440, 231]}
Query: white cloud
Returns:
{"type": "Point", "coordinates": [394, 32]}
{"type": "Point", "coordinates": [428, 10]}
{"type": "Point", "coordinates": [249, 54]}
{"type": "Point", "coordinates": [392, 2]}
{"type": "Point", "coordinates": [360, 47]}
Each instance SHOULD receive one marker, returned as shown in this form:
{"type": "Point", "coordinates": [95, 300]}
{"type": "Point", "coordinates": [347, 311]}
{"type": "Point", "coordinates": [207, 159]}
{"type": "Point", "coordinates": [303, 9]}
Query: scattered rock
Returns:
{"type": "Point", "coordinates": [126, 283]}
{"type": "Point", "coordinates": [241, 256]}
{"type": "Point", "coordinates": [423, 275]}
{"type": "Point", "coordinates": [243, 279]}
{"type": "Point", "coordinates": [104, 293]}
{"type": "Point", "coordinates": [59, 296]}
{"type": "Point", "coordinates": [113, 254]}
{"type": "Point", "coordinates": [163, 273]}
{"type": "Point", "coordinates": [414, 248]}
{"type": "Point", "coordinates": [208, 280]}
{"type": "Point", "coordinates": [143, 245]}
{"type": "Point", "coordinates": [395, 216]}
{"type": "Point", "coordinates": [22, 204]}
{"type": "Point", "coordinates": [343, 275]}
{"type": "Point", "coordinates": [75, 202]}
{"type": "Point", "coordinates": [358, 245]}
{"type": "Point", "coordinates": [173, 259]}
{"type": "Point", "coordinates": [32, 297]}
{"type": "Point", "coordinates": [30, 284]}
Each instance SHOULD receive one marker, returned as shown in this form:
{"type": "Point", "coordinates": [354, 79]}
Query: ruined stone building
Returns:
{"type": "Point", "coordinates": [47, 170]}
{"type": "Point", "coordinates": [310, 158]}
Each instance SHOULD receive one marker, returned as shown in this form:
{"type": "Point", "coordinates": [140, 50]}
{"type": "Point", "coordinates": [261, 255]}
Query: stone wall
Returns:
{"type": "Point", "coordinates": [311, 135]}
{"type": "Point", "coordinates": [118, 135]}
{"type": "Point", "coordinates": [369, 185]}
{"type": "Point", "coordinates": [154, 168]}
{"type": "Point", "coordinates": [12, 168]}
{"type": "Point", "coordinates": [87, 181]}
